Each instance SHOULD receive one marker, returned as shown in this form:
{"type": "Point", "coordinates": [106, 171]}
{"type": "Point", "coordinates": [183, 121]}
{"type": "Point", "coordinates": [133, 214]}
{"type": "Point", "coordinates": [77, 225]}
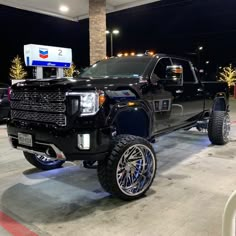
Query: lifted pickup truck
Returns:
{"type": "Point", "coordinates": [111, 114]}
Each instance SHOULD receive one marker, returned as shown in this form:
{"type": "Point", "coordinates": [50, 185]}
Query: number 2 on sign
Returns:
{"type": "Point", "coordinates": [60, 52]}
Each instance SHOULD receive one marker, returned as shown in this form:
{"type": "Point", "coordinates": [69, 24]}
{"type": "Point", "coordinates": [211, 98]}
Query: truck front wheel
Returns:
{"type": "Point", "coordinates": [219, 127]}
{"type": "Point", "coordinates": [42, 162]}
{"type": "Point", "coordinates": [130, 169]}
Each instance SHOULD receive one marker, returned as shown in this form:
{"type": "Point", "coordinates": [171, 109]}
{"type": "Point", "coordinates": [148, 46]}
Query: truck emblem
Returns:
{"type": "Point", "coordinates": [28, 100]}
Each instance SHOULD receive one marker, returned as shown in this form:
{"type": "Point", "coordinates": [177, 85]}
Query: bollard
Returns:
{"type": "Point", "coordinates": [228, 224]}
{"type": "Point", "coordinates": [235, 91]}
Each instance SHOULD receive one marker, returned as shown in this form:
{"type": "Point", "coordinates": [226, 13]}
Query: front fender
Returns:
{"type": "Point", "coordinates": [134, 117]}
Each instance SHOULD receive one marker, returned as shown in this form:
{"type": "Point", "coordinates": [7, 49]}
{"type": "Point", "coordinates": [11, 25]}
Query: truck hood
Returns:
{"type": "Point", "coordinates": [76, 84]}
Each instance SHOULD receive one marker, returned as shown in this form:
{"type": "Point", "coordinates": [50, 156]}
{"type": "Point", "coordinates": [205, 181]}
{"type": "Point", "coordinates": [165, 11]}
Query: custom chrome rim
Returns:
{"type": "Point", "coordinates": [136, 170]}
{"type": "Point", "coordinates": [45, 160]}
{"type": "Point", "coordinates": [226, 128]}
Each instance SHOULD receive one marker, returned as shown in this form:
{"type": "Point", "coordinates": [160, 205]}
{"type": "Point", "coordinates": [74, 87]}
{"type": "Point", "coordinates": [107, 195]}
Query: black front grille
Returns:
{"type": "Point", "coordinates": [39, 106]}
{"type": "Point", "coordinates": [58, 119]}
{"type": "Point", "coordinates": [34, 106]}
{"type": "Point", "coordinates": [40, 96]}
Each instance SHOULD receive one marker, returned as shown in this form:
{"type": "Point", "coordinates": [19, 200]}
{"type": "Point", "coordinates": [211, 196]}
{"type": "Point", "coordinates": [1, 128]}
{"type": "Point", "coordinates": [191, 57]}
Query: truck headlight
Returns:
{"type": "Point", "coordinates": [87, 102]}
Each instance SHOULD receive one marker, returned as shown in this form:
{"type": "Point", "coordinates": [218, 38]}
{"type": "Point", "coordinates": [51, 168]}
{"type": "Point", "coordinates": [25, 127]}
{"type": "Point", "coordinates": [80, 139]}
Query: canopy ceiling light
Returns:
{"type": "Point", "coordinates": [64, 8]}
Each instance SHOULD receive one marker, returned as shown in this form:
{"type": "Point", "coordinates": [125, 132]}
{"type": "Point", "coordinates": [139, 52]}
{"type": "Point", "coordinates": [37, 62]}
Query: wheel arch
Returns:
{"type": "Point", "coordinates": [132, 118]}
{"type": "Point", "coordinates": [220, 103]}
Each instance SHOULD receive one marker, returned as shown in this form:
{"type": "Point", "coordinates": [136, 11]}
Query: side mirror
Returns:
{"type": "Point", "coordinates": [174, 76]}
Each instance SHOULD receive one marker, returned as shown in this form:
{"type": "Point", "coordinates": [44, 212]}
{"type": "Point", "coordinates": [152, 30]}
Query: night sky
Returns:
{"type": "Point", "coordinates": [170, 26]}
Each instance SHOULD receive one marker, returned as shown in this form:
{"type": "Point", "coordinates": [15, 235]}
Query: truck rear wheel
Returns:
{"type": "Point", "coordinates": [219, 127]}
{"type": "Point", "coordinates": [42, 162]}
{"type": "Point", "coordinates": [130, 169]}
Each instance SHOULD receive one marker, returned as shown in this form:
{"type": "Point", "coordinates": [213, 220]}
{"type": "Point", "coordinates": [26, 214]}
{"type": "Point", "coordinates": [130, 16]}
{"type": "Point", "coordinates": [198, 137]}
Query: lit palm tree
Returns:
{"type": "Point", "coordinates": [228, 75]}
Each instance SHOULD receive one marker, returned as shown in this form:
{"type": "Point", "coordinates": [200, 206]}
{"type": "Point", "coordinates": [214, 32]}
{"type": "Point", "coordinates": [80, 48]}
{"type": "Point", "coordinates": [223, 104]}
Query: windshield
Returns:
{"type": "Point", "coordinates": [131, 67]}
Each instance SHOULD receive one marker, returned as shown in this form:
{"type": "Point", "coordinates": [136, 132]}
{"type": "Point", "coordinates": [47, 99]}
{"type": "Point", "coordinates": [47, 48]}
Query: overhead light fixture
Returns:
{"type": "Point", "coordinates": [115, 31]}
{"type": "Point", "coordinates": [200, 48]}
{"type": "Point", "coordinates": [64, 8]}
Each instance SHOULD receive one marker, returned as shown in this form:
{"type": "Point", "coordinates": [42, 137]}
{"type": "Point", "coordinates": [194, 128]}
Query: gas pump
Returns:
{"type": "Point", "coordinates": [41, 56]}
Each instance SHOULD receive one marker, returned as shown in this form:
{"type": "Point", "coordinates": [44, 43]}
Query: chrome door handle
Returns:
{"type": "Point", "coordinates": [179, 91]}
{"type": "Point", "coordinates": [200, 89]}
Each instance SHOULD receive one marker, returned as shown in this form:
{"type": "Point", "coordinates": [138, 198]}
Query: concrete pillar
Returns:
{"type": "Point", "coordinates": [60, 72]}
{"type": "Point", "coordinates": [39, 72]}
{"type": "Point", "coordinates": [97, 30]}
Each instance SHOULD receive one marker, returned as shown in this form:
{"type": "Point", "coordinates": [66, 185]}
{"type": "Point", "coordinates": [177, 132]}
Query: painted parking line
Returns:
{"type": "Point", "coordinates": [14, 227]}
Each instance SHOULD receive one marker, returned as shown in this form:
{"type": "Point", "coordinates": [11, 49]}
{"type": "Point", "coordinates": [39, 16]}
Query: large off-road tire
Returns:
{"type": "Point", "coordinates": [130, 169]}
{"type": "Point", "coordinates": [41, 162]}
{"type": "Point", "coordinates": [219, 127]}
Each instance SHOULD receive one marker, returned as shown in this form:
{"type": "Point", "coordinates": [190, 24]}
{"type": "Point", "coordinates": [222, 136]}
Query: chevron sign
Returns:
{"type": "Point", "coordinates": [47, 56]}
{"type": "Point", "coordinates": [43, 53]}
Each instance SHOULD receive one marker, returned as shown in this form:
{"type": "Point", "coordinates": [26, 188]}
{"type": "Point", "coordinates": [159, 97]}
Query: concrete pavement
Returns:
{"type": "Point", "coordinates": [193, 183]}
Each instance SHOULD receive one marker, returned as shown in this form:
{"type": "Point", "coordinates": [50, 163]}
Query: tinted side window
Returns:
{"type": "Point", "coordinates": [2, 91]}
{"type": "Point", "coordinates": [5, 93]}
{"type": "Point", "coordinates": [187, 70]}
{"type": "Point", "coordinates": [160, 69]}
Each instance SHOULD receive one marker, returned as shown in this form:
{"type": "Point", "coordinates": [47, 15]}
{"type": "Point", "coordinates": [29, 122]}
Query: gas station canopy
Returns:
{"type": "Point", "coordinates": [74, 10]}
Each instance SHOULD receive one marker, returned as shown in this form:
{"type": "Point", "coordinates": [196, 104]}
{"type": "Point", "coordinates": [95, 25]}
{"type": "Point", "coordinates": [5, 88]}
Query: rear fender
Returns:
{"type": "Point", "coordinates": [220, 103]}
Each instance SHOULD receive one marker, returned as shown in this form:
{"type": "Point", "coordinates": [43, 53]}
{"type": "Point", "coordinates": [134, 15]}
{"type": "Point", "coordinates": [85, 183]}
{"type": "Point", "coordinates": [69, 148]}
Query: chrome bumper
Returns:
{"type": "Point", "coordinates": [59, 154]}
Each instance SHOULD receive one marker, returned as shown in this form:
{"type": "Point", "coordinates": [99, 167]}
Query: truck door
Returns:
{"type": "Point", "coordinates": [158, 97]}
{"type": "Point", "coordinates": [188, 100]}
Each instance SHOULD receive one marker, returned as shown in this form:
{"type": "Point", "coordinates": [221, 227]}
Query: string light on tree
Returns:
{"type": "Point", "coordinates": [17, 71]}
{"type": "Point", "coordinates": [228, 75]}
{"type": "Point", "coordinates": [70, 71]}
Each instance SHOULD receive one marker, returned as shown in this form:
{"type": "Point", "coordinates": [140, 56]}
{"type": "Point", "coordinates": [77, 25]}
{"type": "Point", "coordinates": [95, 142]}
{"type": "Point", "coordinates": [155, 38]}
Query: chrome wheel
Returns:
{"type": "Point", "coordinates": [46, 160]}
{"type": "Point", "coordinates": [43, 162]}
{"type": "Point", "coordinates": [135, 170]}
{"type": "Point", "coordinates": [226, 128]}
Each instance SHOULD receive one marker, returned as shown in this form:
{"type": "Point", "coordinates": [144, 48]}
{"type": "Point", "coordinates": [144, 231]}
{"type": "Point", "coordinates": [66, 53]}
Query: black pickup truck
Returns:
{"type": "Point", "coordinates": [111, 114]}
